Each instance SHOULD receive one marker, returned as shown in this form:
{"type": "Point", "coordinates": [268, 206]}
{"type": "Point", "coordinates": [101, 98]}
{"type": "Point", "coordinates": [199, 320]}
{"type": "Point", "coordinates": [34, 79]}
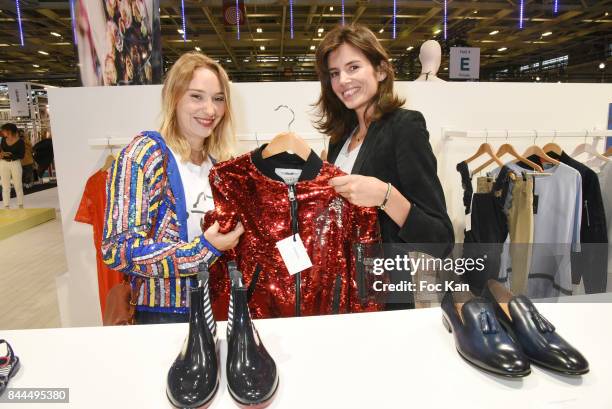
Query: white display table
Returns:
{"type": "Point", "coordinates": [400, 359]}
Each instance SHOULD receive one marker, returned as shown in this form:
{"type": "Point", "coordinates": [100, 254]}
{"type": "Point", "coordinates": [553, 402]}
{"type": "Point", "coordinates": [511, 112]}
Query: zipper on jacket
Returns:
{"type": "Point", "coordinates": [586, 210]}
{"type": "Point", "coordinates": [336, 295]}
{"type": "Point", "coordinates": [294, 229]}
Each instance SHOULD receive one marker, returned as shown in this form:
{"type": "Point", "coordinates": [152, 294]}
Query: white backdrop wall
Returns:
{"type": "Point", "coordinates": [81, 114]}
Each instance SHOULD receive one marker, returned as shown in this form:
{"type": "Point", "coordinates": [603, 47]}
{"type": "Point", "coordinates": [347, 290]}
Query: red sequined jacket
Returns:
{"type": "Point", "coordinates": [248, 189]}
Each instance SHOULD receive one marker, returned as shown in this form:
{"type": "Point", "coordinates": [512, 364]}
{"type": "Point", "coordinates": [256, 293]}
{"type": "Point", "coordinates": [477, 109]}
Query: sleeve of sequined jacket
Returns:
{"type": "Point", "coordinates": [225, 210]}
{"type": "Point", "coordinates": [134, 197]}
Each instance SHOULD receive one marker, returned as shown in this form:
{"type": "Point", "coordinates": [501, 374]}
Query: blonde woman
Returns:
{"type": "Point", "coordinates": [158, 191]}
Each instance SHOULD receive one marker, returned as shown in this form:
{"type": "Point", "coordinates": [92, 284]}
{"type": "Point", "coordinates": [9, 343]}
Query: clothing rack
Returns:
{"type": "Point", "coordinates": [268, 136]}
{"type": "Point", "coordinates": [109, 142]}
{"type": "Point", "coordinates": [532, 133]}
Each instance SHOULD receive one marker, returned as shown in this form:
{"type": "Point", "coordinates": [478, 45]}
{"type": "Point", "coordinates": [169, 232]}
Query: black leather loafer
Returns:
{"type": "Point", "coordinates": [252, 378]}
{"type": "Point", "coordinates": [479, 338]}
{"type": "Point", "coordinates": [537, 337]}
{"type": "Point", "coordinates": [9, 365]}
{"type": "Point", "coordinates": [193, 378]}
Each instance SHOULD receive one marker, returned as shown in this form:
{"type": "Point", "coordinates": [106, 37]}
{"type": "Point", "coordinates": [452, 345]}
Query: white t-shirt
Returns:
{"type": "Point", "coordinates": [346, 160]}
{"type": "Point", "coordinates": [198, 195]}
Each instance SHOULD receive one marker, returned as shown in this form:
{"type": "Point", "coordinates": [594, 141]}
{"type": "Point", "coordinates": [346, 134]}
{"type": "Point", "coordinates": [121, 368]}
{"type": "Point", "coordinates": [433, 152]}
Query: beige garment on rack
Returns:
{"type": "Point", "coordinates": [520, 228]}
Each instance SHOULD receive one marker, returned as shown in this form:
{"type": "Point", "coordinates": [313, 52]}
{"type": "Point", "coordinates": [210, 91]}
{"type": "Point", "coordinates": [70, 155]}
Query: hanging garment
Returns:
{"type": "Point", "coordinates": [605, 181]}
{"type": "Point", "coordinates": [557, 203]}
{"type": "Point", "coordinates": [518, 208]}
{"type": "Point", "coordinates": [91, 211]}
{"type": "Point", "coordinates": [275, 198]}
{"type": "Point", "coordinates": [591, 263]}
{"type": "Point", "coordinates": [486, 225]}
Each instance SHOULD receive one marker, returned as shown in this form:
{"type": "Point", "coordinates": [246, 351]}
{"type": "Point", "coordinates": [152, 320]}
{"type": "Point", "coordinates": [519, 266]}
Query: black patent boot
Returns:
{"type": "Point", "coordinates": [193, 378]}
{"type": "Point", "coordinates": [252, 378]}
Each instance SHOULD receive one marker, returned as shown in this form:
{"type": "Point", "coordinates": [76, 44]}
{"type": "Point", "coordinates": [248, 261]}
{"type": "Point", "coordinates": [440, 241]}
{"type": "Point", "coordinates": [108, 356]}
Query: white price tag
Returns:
{"type": "Point", "coordinates": [294, 254]}
{"type": "Point", "coordinates": [468, 222]}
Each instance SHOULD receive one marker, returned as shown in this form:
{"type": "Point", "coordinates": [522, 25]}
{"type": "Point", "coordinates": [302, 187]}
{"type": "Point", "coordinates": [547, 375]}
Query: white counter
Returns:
{"type": "Point", "coordinates": [402, 359]}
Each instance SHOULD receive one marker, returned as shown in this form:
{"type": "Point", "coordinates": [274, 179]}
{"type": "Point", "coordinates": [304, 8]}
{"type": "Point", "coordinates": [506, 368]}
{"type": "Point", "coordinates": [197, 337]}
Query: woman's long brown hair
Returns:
{"type": "Point", "coordinates": [334, 118]}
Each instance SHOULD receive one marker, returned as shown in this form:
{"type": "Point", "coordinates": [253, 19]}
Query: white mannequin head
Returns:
{"type": "Point", "coordinates": [430, 57]}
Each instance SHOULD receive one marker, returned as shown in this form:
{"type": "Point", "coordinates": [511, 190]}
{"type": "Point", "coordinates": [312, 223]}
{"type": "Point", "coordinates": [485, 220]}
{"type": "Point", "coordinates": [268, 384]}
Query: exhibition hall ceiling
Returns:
{"type": "Point", "coordinates": [569, 45]}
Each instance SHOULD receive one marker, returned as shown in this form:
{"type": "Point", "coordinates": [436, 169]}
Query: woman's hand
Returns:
{"type": "Point", "coordinates": [223, 242]}
{"type": "Point", "coordinates": [360, 190]}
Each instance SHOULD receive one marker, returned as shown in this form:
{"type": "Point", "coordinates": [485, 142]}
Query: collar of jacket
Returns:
{"type": "Point", "coordinates": [310, 168]}
{"type": "Point", "coordinates": [176, 185]}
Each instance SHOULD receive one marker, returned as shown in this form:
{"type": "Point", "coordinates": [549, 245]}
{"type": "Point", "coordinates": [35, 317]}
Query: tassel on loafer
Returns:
{"type": "Point", "coordinates": [537, 337]}
{"type": "Point", "coordinates": [479, 338]}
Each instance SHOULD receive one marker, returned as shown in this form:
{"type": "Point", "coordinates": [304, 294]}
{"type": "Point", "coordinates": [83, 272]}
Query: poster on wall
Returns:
{"type": "Point", "coordinates": [118, 42]}
{"type": "Point", "coordinates": [18, 98]}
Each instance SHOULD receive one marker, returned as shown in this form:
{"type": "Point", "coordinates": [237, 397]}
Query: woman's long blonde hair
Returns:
{"type": "Point", "coordinates": [220, 143]}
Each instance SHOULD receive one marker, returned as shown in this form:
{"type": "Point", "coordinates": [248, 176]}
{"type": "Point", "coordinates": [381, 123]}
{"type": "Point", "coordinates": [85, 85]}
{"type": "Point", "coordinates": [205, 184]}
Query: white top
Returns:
{"type": "Point", "coordinates": [346, 160]}
{"type": "Point", "coordinates": [382, 360]}
{"type": "Point", "coordinates": [198, 195]}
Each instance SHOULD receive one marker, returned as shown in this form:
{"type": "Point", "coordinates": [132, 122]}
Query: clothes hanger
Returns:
{"type": "Point", "coordinates": [287, 142]}
{"type": "Point", "coordinates": [588, 148]}
{"type": "Point", "coordinates": [485, 148]}
{"type": "Point", "coordinates": [109, 159]}
{"type": "Point", "coordinates": [552, 146]}
{"type": "Point", "coordinates": [507, 148]}
{"type": "Point", "coordinates": [537, 151]}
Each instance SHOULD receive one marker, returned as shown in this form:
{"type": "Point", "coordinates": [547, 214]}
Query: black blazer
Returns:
{"type": "Point", "coordinates": [397, 150]}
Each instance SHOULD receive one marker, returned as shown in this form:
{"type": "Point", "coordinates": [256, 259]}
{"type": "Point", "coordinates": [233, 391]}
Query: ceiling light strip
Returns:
{"type": "Point", "coordinates": [521, 14]}
{"type": "Point", "coordinates": [342, 12]}
{"type": "Point", "coordinates": [445, 17]}
{"type": "Point", "coordinates": [556, 6]}
{"type": "Point", "coordinates": [183, 18]}
{"type": "Point", "coordinates": [238, 19]}
{"type": "Point", "coordinates": [19, 22]}
{"type": "Point", "coordinates": [394, 18]}
{"type": "Point", "coordinates": [291, 17]}
{"type": "Point", "coordinates": [73, 17]}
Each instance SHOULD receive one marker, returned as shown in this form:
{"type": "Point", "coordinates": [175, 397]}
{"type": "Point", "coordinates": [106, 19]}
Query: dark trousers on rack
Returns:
{"type": "Point", "coordinates": [486, 226]}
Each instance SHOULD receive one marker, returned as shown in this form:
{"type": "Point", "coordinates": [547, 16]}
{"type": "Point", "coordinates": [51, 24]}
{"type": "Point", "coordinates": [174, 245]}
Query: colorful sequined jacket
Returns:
{"type": "Point", "coordinates": [145, 226]}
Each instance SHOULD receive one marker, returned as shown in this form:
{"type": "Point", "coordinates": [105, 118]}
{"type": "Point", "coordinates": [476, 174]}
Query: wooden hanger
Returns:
{"type": "Point", "coordinates": [109, 159]}
{"type": "Point", "coordinates": [537, 151]}
{"type": "Point", "coordinates": [485, 148]}
{"type": "Point", "coordinates": [509, 149]}
{"type": "Point", "coordinates": [552, 146]}
{"type": "Point", "coordinates": [287, 142]}
{"type": "Point", "coordinates": [108, 163]}
{"type": "Point", "coordinates": [608, 152]}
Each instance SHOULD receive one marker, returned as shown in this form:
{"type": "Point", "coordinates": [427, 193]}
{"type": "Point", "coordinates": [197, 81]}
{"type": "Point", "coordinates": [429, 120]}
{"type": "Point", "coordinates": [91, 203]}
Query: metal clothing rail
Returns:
{"type": "Point", "coordinates": [267, 136]}
{"type": "Point", "coordinates": [109, 142]}
{"type": "Point", "coordinates": [533, 133]}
